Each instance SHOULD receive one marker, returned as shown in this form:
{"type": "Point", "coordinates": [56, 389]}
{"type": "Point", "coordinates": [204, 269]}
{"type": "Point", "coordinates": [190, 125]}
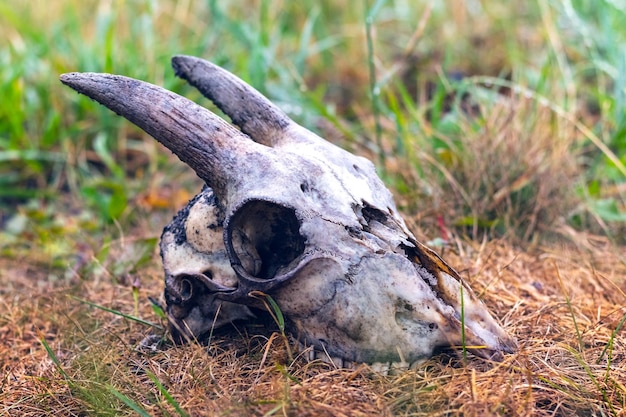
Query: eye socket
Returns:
{"type": "Point", "coordinates": [264, 237]}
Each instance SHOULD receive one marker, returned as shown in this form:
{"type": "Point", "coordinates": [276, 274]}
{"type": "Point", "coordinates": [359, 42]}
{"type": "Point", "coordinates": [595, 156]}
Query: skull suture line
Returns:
{"type": "Point", "coordinates": [293, 216]}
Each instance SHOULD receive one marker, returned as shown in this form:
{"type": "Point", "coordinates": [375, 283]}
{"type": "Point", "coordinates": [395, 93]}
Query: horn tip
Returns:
{"type": "Point", "coordinates": [70, 78]}
{"type": "Point", "coordinates": [81, 80]}
{"type": "Point", "coordinates": [184, 64]}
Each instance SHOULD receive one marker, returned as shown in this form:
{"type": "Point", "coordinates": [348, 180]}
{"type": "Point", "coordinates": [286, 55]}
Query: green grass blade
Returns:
{"type": "Point", "coordinates": [31, 155]}
{"type": "Point", "coordinates": [279, 314]}
{"type": "Point", "coordinates": [167, 395]}
{"type": "Point", "coordinates": [463, 341]}
{"type": "Point", "coordinates": [614, 334]}
{"type": "Point", "coordinates": [374, 87]}
{"type": "Point", "coordinates": [54, 358]}
{"type": "Point", "coordinates": [601, 389]}
{"type": "Point", "coordinates": [272, 307]}
{"type": "Point", "coordinates": [118, 313]}
{"type": "Point", "coordinates": [129, 402]}
{"type": "Point", "coordinates": [581, 344]}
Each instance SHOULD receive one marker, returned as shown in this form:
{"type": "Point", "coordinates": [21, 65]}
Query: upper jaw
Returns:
{"type": "Point", "coordinates": [397, 313]}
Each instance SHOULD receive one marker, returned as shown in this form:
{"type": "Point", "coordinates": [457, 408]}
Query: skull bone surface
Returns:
{"type": "Point", "coordinates": [288, 214]}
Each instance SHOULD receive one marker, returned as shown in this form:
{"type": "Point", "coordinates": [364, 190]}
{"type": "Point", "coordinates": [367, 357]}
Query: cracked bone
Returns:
{"type": "Point", "coordinates": [290, 215]}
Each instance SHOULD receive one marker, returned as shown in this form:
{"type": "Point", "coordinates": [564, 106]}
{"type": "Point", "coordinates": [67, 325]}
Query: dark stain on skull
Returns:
{"type": "Point", "coordinates": [177, 225]}
{"type": "Point", "coordinates": [373, 214]}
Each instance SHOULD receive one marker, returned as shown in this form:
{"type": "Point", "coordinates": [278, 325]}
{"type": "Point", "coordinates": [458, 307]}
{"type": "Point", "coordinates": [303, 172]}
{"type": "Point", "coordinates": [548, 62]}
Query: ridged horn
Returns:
{"type": "Point", "coordinates": [202, 140]}
{"type": "Point", "coordinates": [257, 117]}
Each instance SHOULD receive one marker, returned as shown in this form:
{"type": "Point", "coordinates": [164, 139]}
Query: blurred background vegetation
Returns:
{"type": "Point", "coordinates": [486, 118]}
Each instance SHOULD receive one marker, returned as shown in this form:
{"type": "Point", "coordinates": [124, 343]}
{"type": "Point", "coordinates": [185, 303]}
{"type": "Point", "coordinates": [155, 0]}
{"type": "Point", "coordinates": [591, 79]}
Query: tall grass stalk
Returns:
{"type": "Point", "coordinates": [371, 64]}
{"type": "Point", "coordinates": [168, 397]}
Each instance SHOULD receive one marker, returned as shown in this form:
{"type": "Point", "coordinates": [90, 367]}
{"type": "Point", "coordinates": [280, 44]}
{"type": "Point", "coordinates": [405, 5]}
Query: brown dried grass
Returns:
{"type": "Point", "coordinates": [511, 169]}
{"type": "Point", "coordinates": [553, 373]}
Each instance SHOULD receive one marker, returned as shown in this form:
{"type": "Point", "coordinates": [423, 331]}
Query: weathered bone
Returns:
{"type": "Point", "coordinates": [293, 216]}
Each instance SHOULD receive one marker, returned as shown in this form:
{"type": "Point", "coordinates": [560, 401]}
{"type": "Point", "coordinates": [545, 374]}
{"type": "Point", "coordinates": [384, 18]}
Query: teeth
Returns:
{"type": "Point", "coordinates": [380, 367]}
{"type": "Point", "coordinates": [417, 364]}
{"type": "Point", "coordinates": [391, 368]}
{"type": "Point", "coordinates": [322, 355]}
{"type": "Point", "coordinates": [383, 368]}
{"type": "Point", "coordinates": [396, 368]}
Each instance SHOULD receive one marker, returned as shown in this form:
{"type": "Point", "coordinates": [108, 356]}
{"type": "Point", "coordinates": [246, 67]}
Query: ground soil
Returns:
{"type": "Point", "coordinates": [564, 304]}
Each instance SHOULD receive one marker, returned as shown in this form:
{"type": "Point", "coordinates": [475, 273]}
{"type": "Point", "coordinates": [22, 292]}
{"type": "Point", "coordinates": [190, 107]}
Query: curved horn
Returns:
{"type": "Point", "coordinates": [202, 140]}
{"type": "Point", "coordinates": [250, 110]}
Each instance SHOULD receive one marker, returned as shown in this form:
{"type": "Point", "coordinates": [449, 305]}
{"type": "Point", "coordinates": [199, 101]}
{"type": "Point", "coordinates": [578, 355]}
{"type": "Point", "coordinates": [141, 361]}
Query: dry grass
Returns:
{"type": "Point", "coordinates": [546, 299]}
{"type": "Point", "coordinates": [516, 173]}
{"type": "Point", "coordinates": [508, 166]}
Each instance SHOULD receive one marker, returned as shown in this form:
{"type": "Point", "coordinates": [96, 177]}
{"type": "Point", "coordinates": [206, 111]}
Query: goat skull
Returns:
{"type": "Point", "coordinates": [291, 215]}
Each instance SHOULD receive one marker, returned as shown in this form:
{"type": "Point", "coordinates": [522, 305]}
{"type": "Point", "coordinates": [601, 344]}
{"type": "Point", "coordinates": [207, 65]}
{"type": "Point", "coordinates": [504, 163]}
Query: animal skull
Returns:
{"type": "Point", "coordinates": [290, 215]}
